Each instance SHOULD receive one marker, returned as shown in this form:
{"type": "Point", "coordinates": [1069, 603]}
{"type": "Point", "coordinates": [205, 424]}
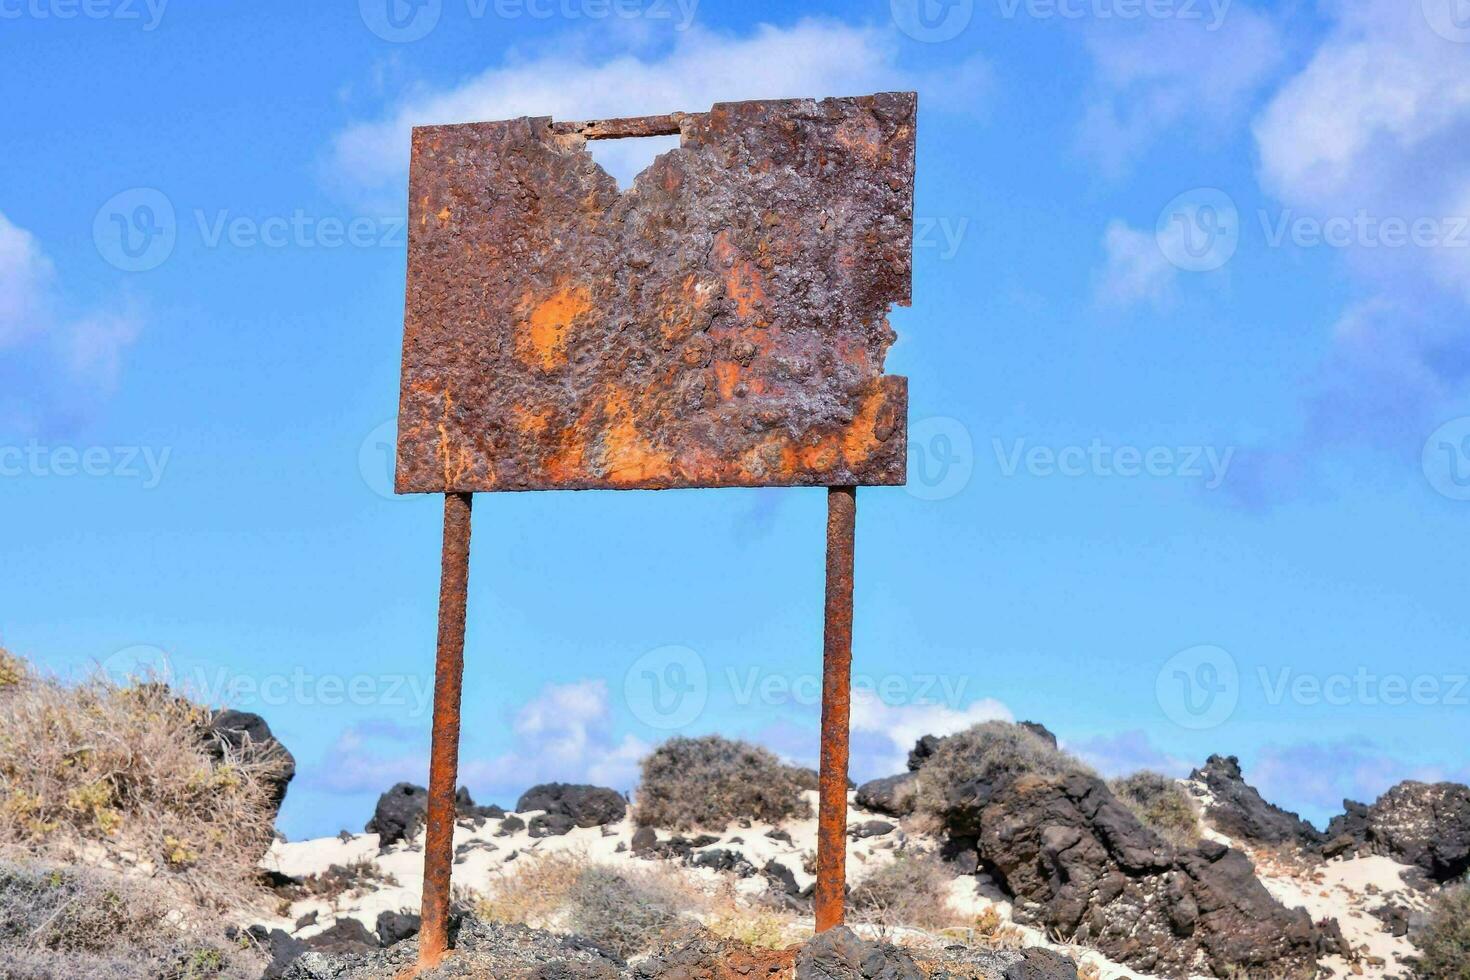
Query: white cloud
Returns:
{"type": "Point", "coordinates": [575, 81]}
{"type": "Point", "coordinates": [1126, 753]}
{"type": "Point", "coordinates": [1165, 74]}
{"type": "Point", "coordinates": [1372, 129]}
{"type": "Point", "coordinates": [1135, 271]}
{"type": "Point", "coordinates": [564, 734]}
{"type": "Point", "coordinates": [61, 362]}
{"type": "Point", "coordinates": [901, 725]}
{"type": "Point", "coordinates": [25, 280]}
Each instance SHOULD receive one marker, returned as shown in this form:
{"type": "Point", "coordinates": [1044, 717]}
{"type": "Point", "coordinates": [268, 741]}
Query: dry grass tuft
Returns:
{"type": "Point", "coordinates": [911, 890]}
{"type": "Point", "coordinates": [85, 922]}
{"type": "Point", "coordinates": [1444, 942]}
{"type": "Point", "coordinates": [992, 751]}
{"type": "Point", "coordinates": [711, 782]}
{"type": "Point", "coordinates": [1161, 804]}
{"type": "Point", "coordinates": [624, 912]}
{"type": "Point", "coordinates": [121, 776]}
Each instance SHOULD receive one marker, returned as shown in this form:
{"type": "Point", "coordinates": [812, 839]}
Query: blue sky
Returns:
{"type": "Point", "coordinates": [1187, 363]}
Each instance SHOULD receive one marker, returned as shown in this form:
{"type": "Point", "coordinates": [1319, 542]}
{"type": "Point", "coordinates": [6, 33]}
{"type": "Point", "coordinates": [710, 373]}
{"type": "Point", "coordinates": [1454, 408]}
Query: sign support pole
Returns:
{"type": "Point", "coordinates": [830, 897]}
{"type": "Point", "coordinates": [444, 753]}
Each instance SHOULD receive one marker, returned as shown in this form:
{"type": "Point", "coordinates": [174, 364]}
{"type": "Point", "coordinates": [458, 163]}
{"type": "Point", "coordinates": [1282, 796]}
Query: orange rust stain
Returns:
{"type": "Point", "coordinates": [744, 284]}
{"type": "Point", "coordinates": [568, 463]}
{"type": "Point", "coordinates": [861, 440]}
{"type": "Point", "coordinates": [627, 456]}
{"type": "Point", "coordinates": [861, 137]}
{"type": "Point", "coordinates": [532, 423]}
{"type": "Point", "coordinates": [727, 375]}
{"type": "Point", "coordinates": [456, 460]}
{"type": "Point", "coordinates": [443, 215]}
{"type": "Point", "coordinates": [541, 339]}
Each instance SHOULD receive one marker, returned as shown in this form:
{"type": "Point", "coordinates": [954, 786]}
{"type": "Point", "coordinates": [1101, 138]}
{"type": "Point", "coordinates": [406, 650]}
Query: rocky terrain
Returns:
{"type": "Point", "coordinates": [995, 856]}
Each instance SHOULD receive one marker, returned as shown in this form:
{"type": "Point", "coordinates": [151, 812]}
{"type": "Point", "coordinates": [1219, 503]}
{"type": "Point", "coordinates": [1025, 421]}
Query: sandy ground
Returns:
{"type": "Point", "coordinates": [1346, 890]}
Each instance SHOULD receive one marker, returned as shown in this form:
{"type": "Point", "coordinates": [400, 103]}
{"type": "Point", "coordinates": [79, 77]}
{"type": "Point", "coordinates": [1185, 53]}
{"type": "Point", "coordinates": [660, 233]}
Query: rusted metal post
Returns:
{"type": "Point", "coordinates": [444, 753]}
{"type": "Point", "coordinates": [830, 899]}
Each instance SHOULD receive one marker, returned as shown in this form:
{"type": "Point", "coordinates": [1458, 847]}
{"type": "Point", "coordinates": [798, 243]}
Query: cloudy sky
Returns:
{"type": "Point", "coordinates": [1188, 363]}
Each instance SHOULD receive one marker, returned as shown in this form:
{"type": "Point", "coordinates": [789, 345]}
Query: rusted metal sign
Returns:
{"type": "Point", "coordinates": [722, 323]}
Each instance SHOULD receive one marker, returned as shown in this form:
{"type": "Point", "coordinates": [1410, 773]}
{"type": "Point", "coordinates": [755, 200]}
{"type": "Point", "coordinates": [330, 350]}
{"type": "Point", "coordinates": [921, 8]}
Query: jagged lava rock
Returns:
{"type": "Point", "coordinates": [1423, 824]}
{"type": "Point", "coordinates": [1237, 810]}
{"type": "Point", "coordinates": [587, 806]}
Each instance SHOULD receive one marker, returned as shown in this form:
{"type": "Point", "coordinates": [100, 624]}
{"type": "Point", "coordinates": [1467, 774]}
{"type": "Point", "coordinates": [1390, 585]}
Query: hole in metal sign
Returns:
{"type": "Point", "coordinates": [626, 158]}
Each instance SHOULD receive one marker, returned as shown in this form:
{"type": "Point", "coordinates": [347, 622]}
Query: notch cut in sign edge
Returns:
{"type": "Point", "coordinates": [738, 344]}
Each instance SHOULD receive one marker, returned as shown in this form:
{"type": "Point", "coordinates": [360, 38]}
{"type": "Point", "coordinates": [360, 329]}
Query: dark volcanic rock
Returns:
{"type": "Point", "coordinates": [399, 814]}
{"type": "Point", "coordinates": [1079, 863]}
{"type": "Point", "coordinates": [587, 806]}
{"type": "Point", "coordinates": [1237, 810]}
{"type": "Point", "coordinates": [282, 948]}
{"type": "Point", "coordinates": [465, 806]}
{"type": "Point", "coordinates": [395, 927]}
{"type": "Point", "coordinates": [925, 747]}
{"type": "Point", "coordinates": [237, 729]}
{"type": "Point", "coordinates": [838, 954]}
{"type": "Point", "coordinates": [1423, 824]}
{"type": "Point", "coordinates": [723, 859]}
{"type": "Point", "coordinates": [891, 795]}
{"type": "Point", "coordinates": [1040, 731]}
{"type": "Point", "coordinates": [644, 840]}
{"type": "Point", "coordinates": [344, 938]}
{"type": "Point", "coordinates": [1041, 964]}
{"type": "Point", "coordinates": [870, 828]}
{"type": "Point", "coordinates": [551, 825]}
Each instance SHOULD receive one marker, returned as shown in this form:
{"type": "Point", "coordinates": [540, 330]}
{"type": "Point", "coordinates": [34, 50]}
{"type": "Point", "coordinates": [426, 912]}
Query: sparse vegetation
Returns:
{"type": "Point", "coordinates": [911, 890]}
{"type": "Point", "coordinates": [625, 912]}
{"type": "Point", "coordinates": [1445, 942]}
{"type": "Point", "coordinates": [82, 922]}
{"type": "Point", "coordinates": [991, 751]}
{"type": "Point", "coordinates": [357, 878]}
{"type": "Point", "coordinates": [95, 769]}
{"type": "Point", "coordinates": [1161, 804]}
{"type": "Point", "coordinates": [711, 782]}
{"type": "Point", "coordinates": [629, 913]}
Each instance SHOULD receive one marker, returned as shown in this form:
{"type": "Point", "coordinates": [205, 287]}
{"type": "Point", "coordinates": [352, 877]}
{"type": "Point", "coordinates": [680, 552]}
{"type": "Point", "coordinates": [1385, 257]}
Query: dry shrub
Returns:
{"type": "Point", "coordinates": [533, 890]}
{"type": "Point", "coordinates": [624, 912]}
{"type": "Point", "coordinates": [991, 930]}
{"type": "Point", "coordinates": [629, 912]}
{"type": "Point", "coordinates": [63, 923]}
{"type": "Point", "coordinates": [912, 890]}
{"type": "Point", "coordinates": [1161, 804]}
{"type": "Point", "coordinates": [355, 878]}
{"type": "Point", "coordinates": [96, 770]}
{"type": "Point", "coordinates": [712, 781]}
{"type": "Point", "coordinates": [1444, 943]}
{"type": "Point", "coordinates": [762, 928]}
{"type": "Point", "coordinates": [991, 752]}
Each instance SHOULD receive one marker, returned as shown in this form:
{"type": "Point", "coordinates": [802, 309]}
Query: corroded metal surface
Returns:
{"type": "Point", "coordinates": [444, 752]}
{"type": "Point", "coordinates": [829, 899]}
{"type": "Point", "coordinates": [721, 323]}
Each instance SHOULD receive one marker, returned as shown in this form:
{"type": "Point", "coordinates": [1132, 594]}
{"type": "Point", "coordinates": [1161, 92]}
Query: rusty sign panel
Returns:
{"type": "Point", "coordinates": [722, 323]}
